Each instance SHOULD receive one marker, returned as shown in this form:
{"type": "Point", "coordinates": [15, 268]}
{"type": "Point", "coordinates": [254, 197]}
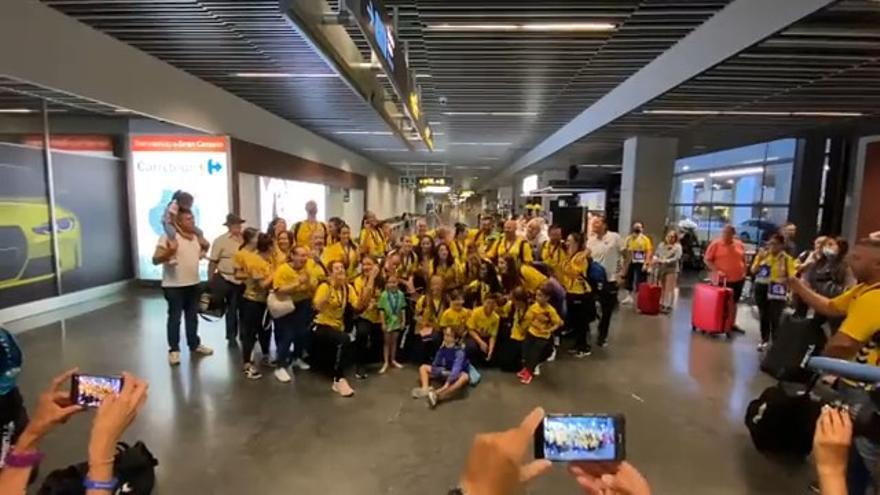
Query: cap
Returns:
{"type": "Point", "coordinates": [233, 219]}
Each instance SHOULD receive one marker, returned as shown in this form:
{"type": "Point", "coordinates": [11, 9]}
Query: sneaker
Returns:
{"type": "Point", "coordinates": [396, 364]}
{"type": "Point", "coordinates": [419, 393]}
{"type": "Point", "coordinates": [583, 354]}
{"type": "Point", "coordinates": [360, 374]}
{"type": "Point", "coordinates": [342, 388]}
{"type": "Point", "coordinates": [763, 346]}
{"type": "Point", "coordinates": [383, 369]}
{"type": "Point", "coordinates": [521, 373]}
{"type": "Point", "coordinates": [173, 358]}
{"type": "Point", "coordinates": [537, 370]}
{"type": "Point", "coordinates": [268, 362]}
{"type": "Point", "coordinates": [603, 344]}
{"type": "Point", "coordinates": [203, 350]}
{"type": "Point", "coordinates": [302, 365]}
{"type": "Point", "coordinates": [282, 375]}
{"type": "Point", "coordinates": [432, 399]}
{"type": "Point", "coordinates": [251, 372]}
{"type": "Point", "coordinates": [526, 378]}
{"type": "Point", "coordinates": [627, 301]}
{"type": "Point", "coordinates": [552, 356]}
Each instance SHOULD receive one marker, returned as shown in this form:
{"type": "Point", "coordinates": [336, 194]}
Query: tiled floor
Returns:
{"type": "Point", "coordinates": [214, 432]}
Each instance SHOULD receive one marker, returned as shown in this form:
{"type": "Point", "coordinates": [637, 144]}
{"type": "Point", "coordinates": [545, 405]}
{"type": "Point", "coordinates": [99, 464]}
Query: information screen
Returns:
{"type": "Point", "coordinates": [287, 199]}
{"type": "Point", "coordinates": [163, 164]}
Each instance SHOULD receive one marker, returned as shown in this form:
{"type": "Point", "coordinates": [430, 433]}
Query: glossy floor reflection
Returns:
{"type": "Point", "coordinates": [214, 432]}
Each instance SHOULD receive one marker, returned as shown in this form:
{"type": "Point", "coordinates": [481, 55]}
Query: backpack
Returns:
{"type": "Point", "coordinates": [134, 466]}
{"type": "Point", "coordinates": [797, 339]}
{"type": "Point", "coordinates": [596, 274]}
{"type": "Point", "coordinates": [782, 421]}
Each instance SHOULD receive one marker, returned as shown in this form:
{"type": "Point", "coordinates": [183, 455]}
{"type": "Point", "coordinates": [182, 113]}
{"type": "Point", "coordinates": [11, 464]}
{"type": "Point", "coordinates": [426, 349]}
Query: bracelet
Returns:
{"type": "Point", "coordinates": [109, 486]}
{"type": "Point", "coordinates": [23, 460]}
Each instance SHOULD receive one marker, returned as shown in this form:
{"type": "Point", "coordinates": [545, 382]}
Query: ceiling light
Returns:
{"type": "Point", "coordinates": [491, 114]}
{"type": "Point", "coordinates": [543, 27]}
{"type": "Point", "coordinates": [751, 113]}
{"type": "Point", "coordinates": [285, 75]}
{"type": "Point", "coordinates": [686, 168]}
{"type": "Point", "coordinates": [435, 189]}
{"type": "Point", "coordinates": [420, 164]}
{"type": "Point", "coordinates": [475, 143]}
{"type": "Point", "coordinates": [698, 180]}
{"type": "Point", "coordinates": [17, 110]}
{"type": "Point", "coordinates": [364, 133]}
{"type": "Point", "coordinates": [417, 76]}
{"type": "Point", "coordinates": [736, 172]}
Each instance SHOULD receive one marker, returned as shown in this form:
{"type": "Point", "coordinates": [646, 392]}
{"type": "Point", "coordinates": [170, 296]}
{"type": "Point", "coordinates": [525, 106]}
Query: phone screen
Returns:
{"type": "Point", "coordinates": [90, 390]}
{"type": "Point", "coordinates": [581, 438]}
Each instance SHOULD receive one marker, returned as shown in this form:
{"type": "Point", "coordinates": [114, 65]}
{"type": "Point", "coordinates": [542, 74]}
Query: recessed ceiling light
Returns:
{"type": "Point", "coordinates": [285, 75]}
{"type": "Point", "coordinates": [17, 110]}
{"type": "Point", "coordinates": [491, 114]}
{"type": "Point", "coordinates": [755, 113]}
{"type": "Point", "coordinates": [543, 27]}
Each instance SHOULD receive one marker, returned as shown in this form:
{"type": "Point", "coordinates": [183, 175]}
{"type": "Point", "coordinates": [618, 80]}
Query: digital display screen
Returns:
{"type": "Point", "coordinates": [287, 199]}
{"type": "Point", "coordinates": [92, 389]}
{"type": "Point", "coordinates": [580, 438]}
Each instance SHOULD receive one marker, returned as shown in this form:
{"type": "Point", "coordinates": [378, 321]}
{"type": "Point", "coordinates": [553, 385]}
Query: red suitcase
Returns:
{"type": "Point", "coordinates": [714, 310]}
{"type": "Point", "coordinates": [648, 298]}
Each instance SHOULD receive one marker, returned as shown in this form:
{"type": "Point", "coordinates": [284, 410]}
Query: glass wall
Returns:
{"type": "Point", "coordinates": [748, 187]}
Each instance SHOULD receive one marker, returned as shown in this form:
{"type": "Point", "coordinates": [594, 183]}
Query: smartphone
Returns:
{"type": "Point", "coordinates": [581, 437]}
{"type": "Point", "coordinates": [90, 390]}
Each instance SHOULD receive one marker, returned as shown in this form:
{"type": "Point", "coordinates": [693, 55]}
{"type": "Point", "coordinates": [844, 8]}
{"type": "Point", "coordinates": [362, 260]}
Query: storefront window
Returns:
{"type": "Point", "coordinates": [747, 187]}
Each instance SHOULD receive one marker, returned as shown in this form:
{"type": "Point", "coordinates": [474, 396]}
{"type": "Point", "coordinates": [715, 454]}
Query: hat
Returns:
{"type": "Point", "coordinates": [233, 219]}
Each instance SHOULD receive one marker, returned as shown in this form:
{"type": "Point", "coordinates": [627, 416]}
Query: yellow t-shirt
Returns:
{"type": "Point", "coordinates": [481, 240]}
{"type": "Point", "coordinates": [541, 320]}
{"type": "Point", "coordinates": [370, 312]}
{"type": "Point", "coordinates": [639, 247]}
{"type": "Point", "coordinates": [519, 326]}
{"type": "Point", "coordinates": [429, 313]}
{"type": "Point", "coordinates": [519, 249]}
{"type": "Point", "coordinates": [257, 269]}
{"type": "Point", "coordinates": [279, 257]}
{"type": "Point", "coordinates": [346, 254]}
{"type": "Point", "coordinates": [302, 232]}
{"type": "Point", "coordinates": [451, 274]}
{"type": "Point", "coordinates": [317, 270]}
{"type": "Point", "coordinates": [532, 279]}
{"type": "Point", "coordinates": [416, 238]}
{"type": "Point", "coordinates": [373, 242]}
{"type": "Point", "coordinates": [458, 250]}
{"type": "Point", "coordinates": [457, 320]}
{"type": "Point", "coordinates": [334, 307]}
{"type": "Point", "coordinates": [484, 324]}
{"type": "Point", "coordinates": [571, 274]}
{"type": "Point", "coordinates": [242, 258]}
{"type": "Point", "coordinates": [286, 275]}
{"type": "Point", "coordinates": [773, 267]}
{"type": "Point", "coordinates": [553, 255]}
{"type": "Point", "coordinates": [861, 304]}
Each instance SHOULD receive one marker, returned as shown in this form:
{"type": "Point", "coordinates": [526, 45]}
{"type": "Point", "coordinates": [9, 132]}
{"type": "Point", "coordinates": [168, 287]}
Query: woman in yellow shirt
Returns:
{"type": "Point", "coordinates": [425, 256]}
{"type": "Point", "coordinates": [293, 280]}
{"type": "Point", "coordinates": [771, 269]}
{"type": "Point", "coordinates": [580, 307]}
{"type": "Point", "coordinates": [444, 265]}
{"type": "Point", "coordinates": [428, 309]}
{"type": "Point", "coordinates": [331, 299]}
{"type": "Point", "coordinates": [487, 283]}
{"type": "Point", "coordinates": [344, 250]}
{"type": "Point", "coordinates": [372, 241]}
{"type": "Point", "coordinates": [525, 276]}
{"type": "Point", "coordinates": [541, 320]}
{"type": "Point", "coordinates": [638, 250]}
{"type": "Point", "coordinates": [367, 322]}
{"type": "Point", "coordinates": [254, 268]}
{"type": "Point", "coordinates": [509, 353]}
{"type": "Point", "coordinates": [456, 315]}
{"type": "Point", "coordinates": [459, 244]}
{"type": "Point", "coordinates": [283, 243]}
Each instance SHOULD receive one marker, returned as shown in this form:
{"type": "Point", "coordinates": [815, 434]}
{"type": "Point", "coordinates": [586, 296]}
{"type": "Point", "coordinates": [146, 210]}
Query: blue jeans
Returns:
{"type": "Point", "coordinates": [182, 301]}
{"type": "Point", "coordinates": [293, 329]}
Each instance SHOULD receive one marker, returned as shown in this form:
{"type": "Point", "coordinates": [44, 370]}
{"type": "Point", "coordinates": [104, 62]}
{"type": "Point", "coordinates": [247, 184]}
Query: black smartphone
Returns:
{"type": "Point", "coordinates": [581, 437]}
{"type": "Point", "coordinates": [90, 390]}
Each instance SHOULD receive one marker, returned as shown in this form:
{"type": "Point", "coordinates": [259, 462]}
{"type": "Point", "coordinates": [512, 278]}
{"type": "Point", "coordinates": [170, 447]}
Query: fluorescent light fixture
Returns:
{"type": "Point", "coordinates": [285, 75]}
{"type": "Point", "coordinates": [17, 110]}
{"type": "Point", "coordinates": [364, 133]}
{"type": "Point", "coordinates": [476, 143]}
{"type": "Point", "coordinates": [752, 113]}
{"type": "Point", "coordinates": [686, 168]}
{"type": "Point", "coordinates": [421, 164]}
{"type": "Point", "coordinates": [417, 76]}
{"type": "Point", "coordinates": [396, 150]}
{"type": "Point", "coordinates": [542, 27]}
{"type": "Point", "coordinates": [698, 180]}
{"type": "Point", "coordinates": [490, 114]}
{"type": "Point", "coordinates": [435, 189]}
{"type": "Point", "coordinates": [737, 172]}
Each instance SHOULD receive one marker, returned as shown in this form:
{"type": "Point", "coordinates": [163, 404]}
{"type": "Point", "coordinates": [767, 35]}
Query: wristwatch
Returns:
{"type": "Point", "coordinates": [23, 460]}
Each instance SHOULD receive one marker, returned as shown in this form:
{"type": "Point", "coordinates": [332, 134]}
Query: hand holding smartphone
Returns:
{"type": "Point", "coordinates": [581, 437]}
{"type": "Point", "coordinates": [90, 390]}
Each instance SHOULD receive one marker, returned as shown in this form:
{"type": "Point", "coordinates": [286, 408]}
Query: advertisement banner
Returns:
{"type": "Point", "coordinates": [287, 199]}
{"type": "Point", "coordinates": [164, 164]}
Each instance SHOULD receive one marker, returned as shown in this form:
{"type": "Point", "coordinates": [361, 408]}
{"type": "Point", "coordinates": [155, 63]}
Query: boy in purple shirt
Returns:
{"type": "Point", "coordinates": [450, 367]}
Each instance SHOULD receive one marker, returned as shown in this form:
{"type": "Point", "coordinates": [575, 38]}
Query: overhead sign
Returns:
{"type": "Point", "coordinates": [372, 19]}
{"type": "Point", "coordinates": [434, 181]}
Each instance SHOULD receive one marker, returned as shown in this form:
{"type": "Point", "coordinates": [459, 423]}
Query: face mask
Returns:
{"type": "Point", "coordinates": [829, 252]}
{"type": "Point", "coordinates": [637, 230]}
{"type": "Point", "coordinates": [10, 362]}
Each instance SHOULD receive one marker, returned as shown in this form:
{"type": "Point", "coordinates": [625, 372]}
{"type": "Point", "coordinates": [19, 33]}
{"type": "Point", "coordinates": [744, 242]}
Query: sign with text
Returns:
{"type": "Point", "coordinates": [163, 164]}
{"type": "Point", "coordinates": [434, 181]}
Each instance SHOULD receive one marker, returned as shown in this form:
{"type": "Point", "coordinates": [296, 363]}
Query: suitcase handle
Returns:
{"type": "Point", "coordinates": [719, 280]}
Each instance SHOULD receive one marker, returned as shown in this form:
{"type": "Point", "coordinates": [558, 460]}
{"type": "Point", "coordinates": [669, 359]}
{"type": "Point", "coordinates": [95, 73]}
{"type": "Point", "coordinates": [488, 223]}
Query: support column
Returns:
{"type": "Point", "coordinates": [648, 164]}
{"type": "Point", "coordinates": [806, 178]}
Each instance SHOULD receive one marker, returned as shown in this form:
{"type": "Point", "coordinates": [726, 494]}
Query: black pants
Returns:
{"type": "Point", "coordinates": [737, 288]}
{"type": "Point", "coordinates": [252, 329]}
{"type": "Point", "coordinates": [607, 298]}
{"type": "Point", "coordinates": [535, 351]}
{"type": "Point", "coordinates": [368, 336]}
{"type": "Point", "coordinates": [475, 355]}
{"type": "Point", "coordinates": [580, 309]}
{"type": "Point", "coordinates": [508, 355]}
{"type": "Point", "coordinates": [182, 301]}
{"type": "Point", "coordinates": [635, 275]}
{"type": "Point", "coordinates": [334, 343]}
{"type": "Point", "coordinates": [233, 295]}
{"type": "Point", "coordinates": [769, 310]}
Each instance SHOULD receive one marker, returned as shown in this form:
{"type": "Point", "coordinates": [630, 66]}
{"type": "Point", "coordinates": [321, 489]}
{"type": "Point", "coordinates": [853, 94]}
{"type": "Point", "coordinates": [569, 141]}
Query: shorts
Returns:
{"type": "Point", "coordinates": [665, 270]}
{"type": "Point", "coordinates": [439, 373]}
{"type": "Point", "coordinates": [392, 330]}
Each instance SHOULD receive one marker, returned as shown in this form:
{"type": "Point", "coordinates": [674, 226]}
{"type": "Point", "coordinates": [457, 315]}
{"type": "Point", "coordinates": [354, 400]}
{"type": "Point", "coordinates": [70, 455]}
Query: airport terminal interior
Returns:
{"type": "Point", "coordinates": [250, 205]}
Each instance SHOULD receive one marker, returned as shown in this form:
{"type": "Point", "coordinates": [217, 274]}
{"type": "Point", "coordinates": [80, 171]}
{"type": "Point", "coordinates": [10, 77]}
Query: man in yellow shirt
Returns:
{"type": "Point", "coordinates": [293, 280]}
{"type": "Point", "coordinates": [553, 251]}
{"type": "Point", "coordinates": [482, 334]}
{"type": "Point", "coordinates": [637, 252]}
{"type": "Point", "coordinates": [483, 237]}
{"type": "Point", "coordinates": [421, 231]}
{"type": "Point", "coordinates": [512, 245]}
{"type": "Point", "coordinates": [303, 230]}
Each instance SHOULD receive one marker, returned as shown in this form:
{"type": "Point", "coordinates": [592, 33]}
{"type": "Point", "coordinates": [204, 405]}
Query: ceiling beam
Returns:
{"type": "Point", "coordinates": [741, 24]}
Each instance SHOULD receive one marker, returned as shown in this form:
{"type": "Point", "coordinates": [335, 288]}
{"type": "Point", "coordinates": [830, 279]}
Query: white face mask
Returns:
{"type": "Point", "coordinates": [829, 252]}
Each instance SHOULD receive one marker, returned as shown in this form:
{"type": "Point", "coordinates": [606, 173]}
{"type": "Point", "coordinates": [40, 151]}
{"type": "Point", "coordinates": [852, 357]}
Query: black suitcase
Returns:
{"type": "Point", "coordinates": [797, 339]}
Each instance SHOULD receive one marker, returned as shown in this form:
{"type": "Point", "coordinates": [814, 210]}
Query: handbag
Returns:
{"type": "Point", "coordinates": [474, 376]}
{"type": "Point", "coordinates": [278, 306]}
{"type": "Point", "coordinates": [212, 301]}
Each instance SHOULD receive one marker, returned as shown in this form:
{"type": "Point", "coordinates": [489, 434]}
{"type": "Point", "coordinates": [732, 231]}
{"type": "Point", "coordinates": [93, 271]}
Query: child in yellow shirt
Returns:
{"type": "Point", "coordinates": [541, 320]}
{"type": "Point", "coordinates": [482, 326]}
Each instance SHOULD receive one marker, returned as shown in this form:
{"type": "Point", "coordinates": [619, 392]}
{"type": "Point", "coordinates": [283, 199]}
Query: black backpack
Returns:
{"type": "Point", "coordinates": [783, 421]}
{"type": "Point", "coordinates": [797, 339]}
{"type": "Point", "coordinates": [134, 466]}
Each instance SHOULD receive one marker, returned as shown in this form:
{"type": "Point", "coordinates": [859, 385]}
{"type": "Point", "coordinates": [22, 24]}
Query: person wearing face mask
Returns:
{"type": "Point", "coordinates": [771, 268]}
{"type": "Point", "coordinates": [828, 274]}
{"type": "Point", "coordinates": [637, 251]}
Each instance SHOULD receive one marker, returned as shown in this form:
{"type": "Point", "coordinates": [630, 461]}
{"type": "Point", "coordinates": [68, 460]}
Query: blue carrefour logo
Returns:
{"type": "Point", "coordinates": [214, 166]}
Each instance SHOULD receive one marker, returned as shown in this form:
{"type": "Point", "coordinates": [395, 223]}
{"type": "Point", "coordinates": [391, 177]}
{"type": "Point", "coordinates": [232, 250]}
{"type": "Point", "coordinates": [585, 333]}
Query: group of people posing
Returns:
{"type": "Point", "coordinates": [450, 299]}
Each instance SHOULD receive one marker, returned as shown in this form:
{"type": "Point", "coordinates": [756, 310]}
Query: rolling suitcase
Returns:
{"type": "Point", "coordinates": [648, 296]}
{"type": "Point", "coordinates": [714, 310]}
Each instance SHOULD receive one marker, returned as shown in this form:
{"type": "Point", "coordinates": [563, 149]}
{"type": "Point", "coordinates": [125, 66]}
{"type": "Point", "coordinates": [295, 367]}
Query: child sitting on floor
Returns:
{"type": "Point", "coordinates": [450, 367]}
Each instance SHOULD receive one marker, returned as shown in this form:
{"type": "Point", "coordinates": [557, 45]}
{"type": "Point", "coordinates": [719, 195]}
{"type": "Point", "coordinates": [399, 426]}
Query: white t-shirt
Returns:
{"type": "Point", "coordinates": [186, 271]}
{"type": "Point", "coordinates": [606, 251]}
{"type": "Point", "coordinates": [223, 249]}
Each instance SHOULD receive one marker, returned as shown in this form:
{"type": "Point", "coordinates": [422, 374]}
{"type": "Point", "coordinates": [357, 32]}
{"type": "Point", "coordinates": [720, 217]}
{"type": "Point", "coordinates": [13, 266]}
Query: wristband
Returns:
{"type": "Point", "coordinates": [23, 460]}
{"type": "Point", "coordinates": [100, 485]}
